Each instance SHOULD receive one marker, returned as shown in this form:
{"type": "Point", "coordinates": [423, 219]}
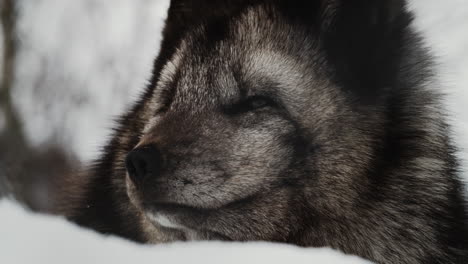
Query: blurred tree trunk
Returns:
{"type": "Point", "coordinates": [11, 135]}
{"type": "Point", "coordinates": [8, 19]}
{"type": "Point", "coordinates": [33, 176]}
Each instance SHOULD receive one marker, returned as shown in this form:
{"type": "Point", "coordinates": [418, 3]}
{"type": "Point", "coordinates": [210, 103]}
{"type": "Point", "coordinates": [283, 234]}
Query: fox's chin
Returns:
{"type": "Point", "coordinates": [192, 222]}
{"type": "Point", "coordinates": [167, 215]}
{"type": "Point", "coordinates": [164, 220]}
{"type": "Point", "coordinates": [175, 216]}
{"type": "Point", "coordinates": [189, 221]}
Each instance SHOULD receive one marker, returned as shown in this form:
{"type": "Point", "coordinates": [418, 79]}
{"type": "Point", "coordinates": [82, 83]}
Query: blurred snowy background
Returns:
{"type": "Point", "coordinates": [73, 66]}
{"type": "Point", "coordinates": [69, 67]}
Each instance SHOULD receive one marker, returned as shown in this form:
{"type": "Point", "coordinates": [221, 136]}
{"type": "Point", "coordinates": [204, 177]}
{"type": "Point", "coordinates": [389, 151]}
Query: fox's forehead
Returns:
{"type": "Point", "coordinates": [256, 53]}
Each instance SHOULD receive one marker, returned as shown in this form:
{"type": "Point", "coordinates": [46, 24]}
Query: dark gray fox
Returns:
{"type": "Point", "coordinates": [310, 122]}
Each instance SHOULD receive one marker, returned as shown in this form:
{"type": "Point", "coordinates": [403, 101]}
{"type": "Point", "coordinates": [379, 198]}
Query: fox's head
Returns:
{"type": "Point", "coordinates": [260, 114]}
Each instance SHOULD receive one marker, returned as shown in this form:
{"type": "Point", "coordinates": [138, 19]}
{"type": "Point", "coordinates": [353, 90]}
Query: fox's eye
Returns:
{"type": "Point", "coordinates": [250, 104]}
{"type": "Point", "coordinates": [256, 102]}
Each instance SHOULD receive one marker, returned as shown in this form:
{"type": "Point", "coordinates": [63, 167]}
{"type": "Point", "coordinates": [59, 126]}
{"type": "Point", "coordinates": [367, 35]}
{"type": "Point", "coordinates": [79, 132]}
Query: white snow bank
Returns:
{"type": "Point", "coordinates": [33, 238]}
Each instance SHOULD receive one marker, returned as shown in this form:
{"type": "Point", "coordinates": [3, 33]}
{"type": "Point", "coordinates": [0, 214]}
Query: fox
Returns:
{"type": "Point", "coordinates": [316, 123]}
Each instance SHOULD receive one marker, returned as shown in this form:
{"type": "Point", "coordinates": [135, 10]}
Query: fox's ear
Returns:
{"type": "Point", "coordinates": [367, 13]}
{"type": "Point", "coordinates": [184, 11]}
{"type": "Point", "coordinates": [365, 40]}
{"type": "Point", "coordinates": [185, 14]}
{"type": "Point", "coordinates": [191, 12]}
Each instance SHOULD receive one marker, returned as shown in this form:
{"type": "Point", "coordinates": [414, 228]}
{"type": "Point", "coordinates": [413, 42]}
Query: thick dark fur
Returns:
{"type": "Point", "coordinates": [361, 159]}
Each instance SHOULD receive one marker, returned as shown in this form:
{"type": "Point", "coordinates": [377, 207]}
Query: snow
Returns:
{"type": "Point", "coordinates": [45, 239]}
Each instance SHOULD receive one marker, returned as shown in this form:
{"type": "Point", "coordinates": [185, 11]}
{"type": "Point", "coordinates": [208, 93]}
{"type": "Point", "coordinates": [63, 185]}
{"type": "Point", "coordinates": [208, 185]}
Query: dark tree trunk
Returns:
{"type": "Point", "coordinates": [31, 175]}
{"type": "Point", "coordinates": [11, 136]}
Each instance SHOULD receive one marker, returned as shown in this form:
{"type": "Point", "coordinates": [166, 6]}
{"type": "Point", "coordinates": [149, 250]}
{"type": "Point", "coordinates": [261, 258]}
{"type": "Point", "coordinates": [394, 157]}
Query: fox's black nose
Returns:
{"type": "Point", "coordinates": [142, 163]}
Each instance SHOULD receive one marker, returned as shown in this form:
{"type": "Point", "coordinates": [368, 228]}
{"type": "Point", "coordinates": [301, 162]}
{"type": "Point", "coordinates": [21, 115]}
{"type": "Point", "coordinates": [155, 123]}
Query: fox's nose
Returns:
{"type": "Point", "coordinates": [143, 162]}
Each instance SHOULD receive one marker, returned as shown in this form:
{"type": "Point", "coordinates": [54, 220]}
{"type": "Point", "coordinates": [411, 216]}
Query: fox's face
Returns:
{"type": "Point", "coordinates": [221, 135]}
{"type": "Point", "coordinates": [244, 130]}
